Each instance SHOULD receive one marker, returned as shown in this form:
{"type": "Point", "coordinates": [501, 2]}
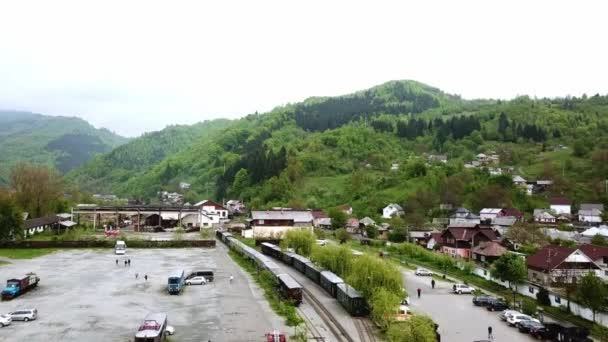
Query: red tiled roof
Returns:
{"type": "Point", "coordinates": [353, 222]}
{"type": "Point", "coordinates": [548, 257]}
{"type": "Point", "coordinates": [560, 201]}
{"type": "Point", "coordinates": [593, 251]}
{"type": "Point", "coordinates": [437, 237]}
{"type": "Point", "coordinates": [512, 212]}
{"type": "Point", "coordinates": [490, 248]}
{"type": "Point", "coordinates": [208, 203]}
{"type": "Point", "coordinates": [466, 234]}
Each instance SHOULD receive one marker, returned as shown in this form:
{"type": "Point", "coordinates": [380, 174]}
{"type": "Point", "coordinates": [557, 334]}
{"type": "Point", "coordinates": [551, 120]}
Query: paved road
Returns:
{"type": "Point", "coordinates": [459, 320]}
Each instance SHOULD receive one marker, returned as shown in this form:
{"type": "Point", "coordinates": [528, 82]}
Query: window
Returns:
{"type": "Point", "coordinates": [260, 221]}
{"type": "Point", "coordinates": [558, 299]}
{"type": "Point", "coordinates": [530, 289]}
{"type": "Point", "coordinates": [485, 272]}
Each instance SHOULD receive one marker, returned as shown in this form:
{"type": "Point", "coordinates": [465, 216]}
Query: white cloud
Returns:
{"type": "Point", "coordinates": [140, 65]}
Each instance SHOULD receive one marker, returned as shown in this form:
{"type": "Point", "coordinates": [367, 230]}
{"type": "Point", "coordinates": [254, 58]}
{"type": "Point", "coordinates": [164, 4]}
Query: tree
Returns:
{"type": "Point", "coordinates": [338, 218]}
{"type": "Point", "coordinates": [418, 328]}
{"type": "Point", "coordinates": [542, 297]}
{"type": "Point", "coordinates": [599, 240]}
{"type": "Point", "coordinates": [342, 235]}
{"type": "Point", "coordinates": [11, 218]}
{"type": "Point", "coordinates": [301, 240]}
{"type": "Point", "coordinates": [37, 188]}
{"type": "Point", "coordinates": [371, 231]}
{"type": "Point", "coordinates": [384, 307]}
{"type": "Point", "coordinates": [511, 268]}
{"type": "Point", "coordinates": [241, 180]}
{"type": "Point", "coordinates": [592, 293]}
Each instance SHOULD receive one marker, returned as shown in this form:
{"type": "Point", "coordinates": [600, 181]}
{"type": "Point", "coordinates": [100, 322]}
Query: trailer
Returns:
{"type": "Point", "coordinates": [17, 287]}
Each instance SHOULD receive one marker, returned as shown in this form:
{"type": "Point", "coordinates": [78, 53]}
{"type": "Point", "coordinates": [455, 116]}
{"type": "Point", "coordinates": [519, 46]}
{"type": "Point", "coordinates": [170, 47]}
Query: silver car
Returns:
{"type": "Point", "coordinates": [24, 315]}
{"type": "Point", "coordinates": [5, 320]}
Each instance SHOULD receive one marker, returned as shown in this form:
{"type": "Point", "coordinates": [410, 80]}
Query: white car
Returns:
{"type": "Point", "coordinates": [24, 315]}
{"type": "Point", "coordinates": [170, 330]}
{"type": "Point", "coordinates": [507, 314]}
{"type": "Point", "coordinates": [462, 288]}
{"type": "Point", "coordinates": [5, 320]}
{"type": "Point", "coordinates": [515, 319]}
{"type": "Point", "coordinates": [423, 272]}
{"type": "Point", "coordinates": [196, 281]}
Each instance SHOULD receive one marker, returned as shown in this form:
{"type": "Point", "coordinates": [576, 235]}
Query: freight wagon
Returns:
{"type": "Point", "coordinates": [330, 281]}
{"type": "Point", "coordinates": [352, 300]}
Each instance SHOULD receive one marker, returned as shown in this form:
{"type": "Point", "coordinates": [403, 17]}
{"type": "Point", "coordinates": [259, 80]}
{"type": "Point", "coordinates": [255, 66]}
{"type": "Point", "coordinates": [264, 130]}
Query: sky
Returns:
{"type": "Point", "coordinates": [138, 66]}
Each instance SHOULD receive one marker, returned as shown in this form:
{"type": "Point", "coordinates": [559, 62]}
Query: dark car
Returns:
{"type": "Point", "coordinates": [560, 332]}
{"type": "Point", "coordinates": [481, 300]}
{"type": "Point", "coordinates": [496, 305]}
{"type": "Point", "coordinates": [526, 326]}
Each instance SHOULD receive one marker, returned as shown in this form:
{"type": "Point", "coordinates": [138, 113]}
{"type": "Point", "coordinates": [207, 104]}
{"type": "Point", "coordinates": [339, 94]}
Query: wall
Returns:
{"type": "Point", "coordinates": [530, 290]}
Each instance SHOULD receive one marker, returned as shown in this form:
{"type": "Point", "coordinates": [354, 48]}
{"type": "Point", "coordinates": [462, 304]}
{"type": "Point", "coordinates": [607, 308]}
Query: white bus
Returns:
{"type": "Point", "coordinates": [153, 329]}
{"type": "Point", "coordinates": [120, 248]}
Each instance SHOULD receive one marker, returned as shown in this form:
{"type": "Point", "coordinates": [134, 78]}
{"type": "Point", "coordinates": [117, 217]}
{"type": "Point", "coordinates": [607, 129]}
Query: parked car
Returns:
{"type": "Point", "coordinates": [462, 288]}
{"type": "Point", "coordinates": [526, 326]}
{"type": "Point", "coordinates": [507, 314]}
{"type": "Point", "coordinates": [423, 272]}
{"type": "Point", "coordinates": [482, 300]}
{"type": "Point", "coordinates": [24, 315]}
{"type": "Point", "coordinates": [196, 281]}
{"type": "Point", "coordinates": [5, 320]}
{"type": "Point", "coordinates": [170, 330]}
{"type": "Point", "coordinates": [496, 305]}
{"type": "Point", "coordinates": [517, 318]}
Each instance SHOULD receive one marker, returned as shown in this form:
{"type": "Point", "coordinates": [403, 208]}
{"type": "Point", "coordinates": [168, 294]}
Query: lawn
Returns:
{"type": "Point", "coordinates": [25, 253]}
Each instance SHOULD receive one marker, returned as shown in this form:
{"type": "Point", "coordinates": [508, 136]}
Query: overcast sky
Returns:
{"type": "Point", "coordinates": [138, 66]}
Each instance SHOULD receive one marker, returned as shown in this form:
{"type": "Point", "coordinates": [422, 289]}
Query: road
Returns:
{"type": "Point", "coordinates": [459, 320]}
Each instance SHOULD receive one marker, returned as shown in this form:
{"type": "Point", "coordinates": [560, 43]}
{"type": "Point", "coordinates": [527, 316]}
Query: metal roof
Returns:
{"type": "Point", "coordinates": [289, 281]}
{"type": "Point", "coordinates": [296, 216]}
{"type": "Point", "coordinates": [349, 290]}
{"type": "Point", "coordinates": [331, 277]}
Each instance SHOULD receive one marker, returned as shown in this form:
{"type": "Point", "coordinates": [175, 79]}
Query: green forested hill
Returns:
{"type": "Point", "coordinates": [63, 142]}
{"type": "Point", "coordinates": [329, 151]}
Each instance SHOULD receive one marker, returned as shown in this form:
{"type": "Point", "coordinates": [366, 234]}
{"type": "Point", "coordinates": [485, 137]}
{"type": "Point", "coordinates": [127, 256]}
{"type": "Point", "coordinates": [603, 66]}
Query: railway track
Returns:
{"type": "Point", "coordinates": [365, 330]}
{"type": "Point", "coordinates": [332, 323]}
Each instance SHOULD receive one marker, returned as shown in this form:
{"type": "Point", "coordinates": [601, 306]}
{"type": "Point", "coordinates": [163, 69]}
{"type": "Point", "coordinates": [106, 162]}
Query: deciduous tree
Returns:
{"type": "Point", "coordinates": [11, 218]}
{"type": "Point", "coordinates": [592, 293]}
{"type": "Point", "coordinates": [37, 188]}
{"type": "Point", "coordinates": [511, 268]}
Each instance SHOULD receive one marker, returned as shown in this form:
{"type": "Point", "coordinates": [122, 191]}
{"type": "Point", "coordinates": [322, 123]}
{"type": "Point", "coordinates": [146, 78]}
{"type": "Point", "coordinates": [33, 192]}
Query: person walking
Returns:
{"type": "Point", "coordinates": [116, 262]}
{"type": "Point", "coordinates": [129, 262]}
{"type": "Point", "coordinates": [136, 275]}
{"type": "Point", "coordinates": [490, 336]}
{"type": "Point", "coordinates": [125, 263]}
{"type": "Point", "coordinates": [418, 290]}
{"type": "Point", "coordinates": [146, 277]}
{"type": "Point", "coordinates": [433, 283]}
{"type": "Point", "coordinates": [231, 278]}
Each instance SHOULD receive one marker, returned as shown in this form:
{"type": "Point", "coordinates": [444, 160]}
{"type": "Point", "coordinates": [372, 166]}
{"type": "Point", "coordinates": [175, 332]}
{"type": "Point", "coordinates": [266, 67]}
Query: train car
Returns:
{"type": "Point", "coordinates": [299, 263]}
{"type": "Point", "coordinates": [273, 268]}
{"type": "Point", "coordinates": [271, 250]}
{"type": "Point", "coordinates": [330, 281]}
{"type": "Point", "coordinates": [352, 300]}
{"type": "Point", "coordinates": [218, 234]}
{"type": "Point", "coordinates": [287, 257]}
{"type": "Point", "coordinates": [289, 288]}
{"type": "Point", "coordinates": [314, 272]}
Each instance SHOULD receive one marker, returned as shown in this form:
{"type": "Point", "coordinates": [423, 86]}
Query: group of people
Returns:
{"type": "Point", "coordinates": [128, 263]}
{"type": "Point", "coordinates": [419, 290]}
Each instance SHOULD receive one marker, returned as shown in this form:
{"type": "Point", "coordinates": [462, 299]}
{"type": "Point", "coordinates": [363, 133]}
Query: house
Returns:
{"type": "Point", "coordinates": [210, 207]}
{"type": "Point", "coordinates": [591, 232]}
{"type": "Point", "coordinates": [488, 251]}
{"type": "Point", "coordinates": [236, 207]}
{"type": "Point", "coordinates": [319, 216]}
{"type": "Point", "coordinates": [589, 206]}
{"type": "Point", "coordinates": [464, 215]}
{"type": "Point", "coordinates": [519, 181]}
{"type": "Point", "coordinates": [457, 242]}
{"type": "Point", "coordinates": [544, 216]}
{"type": "Point", "coordinates": [324, 223]}
{"type": "Point", "coordinates": [503, 223]}
{"type": "Point", "coordinates": [495, 171]}
{"type": "Point", "coordinates": [599, 255]}
{"type": "Point", "coordinates": [440, 158]}
{"type": "Point", "coordinates": [519, 216]}
{"type": "Point", "coordinates": [553, 234]}
{"type": "Point", "coordinates": [421, 237]}
{"type": "Point", "coordinates": [272, 224]}
{"type": "Point", "coordinates": [435, 241]}
{"type": "Point", "coordinates": [170, 198]}
{"type": "Point", "coordinates": [367, 221]}
{"type": "Point", "coordinates": [490, 213]}
{"type": "Point", "coordinates": [554, 265]}
{"type": "Point", "coordinates": [347, 209]}
{"type": "Point", "coordinates": [40, 224]}
{"type": "Point", "coordinates": [391, 210]}
{"type": "Point", "coordinates": [446, 206]}
{"type": "Point", "coordinates": [591, 215]}
{"type": "Point", "coordinates": [561, 205]}
{"type": "Point", "coordinates": [352, 226]}
{"type": "Point", "coordinates": [541, 186]}
{"type": "Point", "coordinates": [482, 157]}
{"type": "Point", "coordinates": [383, 231]}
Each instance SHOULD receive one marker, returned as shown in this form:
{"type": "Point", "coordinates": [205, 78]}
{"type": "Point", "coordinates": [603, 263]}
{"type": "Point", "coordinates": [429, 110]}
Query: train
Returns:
{"type": "Point", "coordinates": [347, 296]}
{"type": "Point", "coordinates": [288, 287]}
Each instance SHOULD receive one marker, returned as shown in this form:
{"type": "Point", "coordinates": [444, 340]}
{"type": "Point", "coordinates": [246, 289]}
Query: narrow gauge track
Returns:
{"type": "Point", "coordinates": [312, 328]}
{"type": "Point", "coordinates": [332, 323]}
{"type": "Point", "coordinates": [366, 332]}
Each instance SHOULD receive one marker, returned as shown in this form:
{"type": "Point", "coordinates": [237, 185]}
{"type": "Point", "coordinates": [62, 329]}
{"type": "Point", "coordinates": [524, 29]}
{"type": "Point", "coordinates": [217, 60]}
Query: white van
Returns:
{"type": "Point", "coordinates": [120, 248]}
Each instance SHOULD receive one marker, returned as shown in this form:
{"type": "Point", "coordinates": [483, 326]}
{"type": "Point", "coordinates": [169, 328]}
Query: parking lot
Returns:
{"type": "Point", "coordinates": [459, 320]}
{"type": "Point", "coordinates": [84, 296]}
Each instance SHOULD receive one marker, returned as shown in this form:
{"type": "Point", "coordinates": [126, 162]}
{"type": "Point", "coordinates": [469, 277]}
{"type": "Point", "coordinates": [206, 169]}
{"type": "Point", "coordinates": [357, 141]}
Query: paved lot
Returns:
{"type": "Point", "coordinates": [458, 319]}
{"type": "Point", "coordinates": [84, 296]}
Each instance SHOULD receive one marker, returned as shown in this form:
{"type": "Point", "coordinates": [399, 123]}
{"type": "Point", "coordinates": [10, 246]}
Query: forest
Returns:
{"type": "Point", "coordinates": [325, 152]}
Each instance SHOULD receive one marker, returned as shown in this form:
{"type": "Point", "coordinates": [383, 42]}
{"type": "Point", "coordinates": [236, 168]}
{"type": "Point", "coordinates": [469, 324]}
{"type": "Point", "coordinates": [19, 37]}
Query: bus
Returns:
{"type": "Point", "coordinates": [120, 248]}
{"type": "Point", "coordinates": [153, 329]}
{"type": "Point", "coordinates": [176, 282]}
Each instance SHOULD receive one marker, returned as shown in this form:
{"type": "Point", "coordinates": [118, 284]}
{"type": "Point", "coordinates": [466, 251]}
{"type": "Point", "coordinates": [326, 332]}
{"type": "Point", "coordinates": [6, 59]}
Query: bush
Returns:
{"type": "Point", "coordinates": [300, 240]}
{"type": "Point", "coordinates": [342, 235]}
{"type": "Point", "coordinates": [337, 259]}
{"type": "Point", "coordinates": [320, 233]}
{"type": "Point", "coordinates": [417, 329]}
{"type": "Point", "coordinates": [206, 234]}
{"type": "Point", "coordinates": [529, 307]}
{"type": "Point", "coordinates": [542, 297]}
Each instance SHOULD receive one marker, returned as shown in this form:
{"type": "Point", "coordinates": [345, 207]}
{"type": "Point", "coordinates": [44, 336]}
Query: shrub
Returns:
{"type": "Point", "coordinates": [342, 235]}
{"type": "Point", "coordinates": [542, 297]}
{"type": "Point", "coordinates": [300, 240]}
{"type": "Point", "coordinates": [529, 307]}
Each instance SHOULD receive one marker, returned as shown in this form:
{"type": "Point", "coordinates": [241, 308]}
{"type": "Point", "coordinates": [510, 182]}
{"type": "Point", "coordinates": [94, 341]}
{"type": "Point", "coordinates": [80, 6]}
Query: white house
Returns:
{"type": "Point", "coordinates": [561, 205]}
{"type": "Point", "coordinates": [464, 215]}
{"type": "Point", "coordinates": [490, 213]}
{"type": "Point", "coordinates": [210, 207]}
{"type": "Point", "coordinates": [543, 216]}
{"type": "Point", "coordinates": [391, 210]}
{"type": "Point", "coordinates": [591, 216]}
{"type": "Point", "coordinates": [519, 181]}
{"type": "Point", "coordinates": [273, 224]}
{"type": "Point", "coordinates": [591, 232]}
